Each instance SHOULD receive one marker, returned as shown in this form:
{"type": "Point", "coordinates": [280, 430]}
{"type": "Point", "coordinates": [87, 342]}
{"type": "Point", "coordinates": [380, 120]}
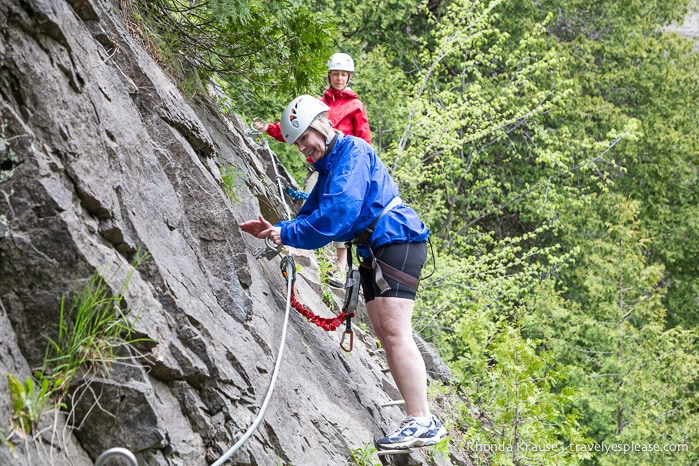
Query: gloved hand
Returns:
{"type": "Point", "coordinates": [259, 125]}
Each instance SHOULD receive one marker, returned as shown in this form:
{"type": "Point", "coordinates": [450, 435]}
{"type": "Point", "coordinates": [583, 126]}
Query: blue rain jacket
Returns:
{"type": "Point", "coordinates": [353, 188]}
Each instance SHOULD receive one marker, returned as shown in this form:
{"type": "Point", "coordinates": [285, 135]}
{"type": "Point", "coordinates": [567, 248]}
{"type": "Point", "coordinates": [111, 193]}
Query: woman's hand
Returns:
{"type": "Point", "coordinates": [262, 229]}
{"type": "Point", "coordinates": [260, 125]}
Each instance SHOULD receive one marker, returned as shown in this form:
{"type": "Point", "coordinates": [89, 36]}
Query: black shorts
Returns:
{"type": "Point", "coordinates": [406, 257]}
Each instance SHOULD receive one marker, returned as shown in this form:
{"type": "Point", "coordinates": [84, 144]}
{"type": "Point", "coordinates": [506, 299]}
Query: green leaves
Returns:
{"type": "Point", "coordinates": [29, 401]}
{"type": "Point", "coordinates": [91, 330]}
{"type": "Point", "coordinates": [589, 144]}
{"type": "Point", "coordinates": [261, 44]}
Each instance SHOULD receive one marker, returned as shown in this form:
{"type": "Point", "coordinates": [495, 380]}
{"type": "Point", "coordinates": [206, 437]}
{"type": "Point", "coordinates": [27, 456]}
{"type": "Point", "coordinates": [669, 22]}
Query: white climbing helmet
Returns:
{"type": "Point", "coordinates": [298, 115]}
{"type": "Point", "coordinates": [341, 61]}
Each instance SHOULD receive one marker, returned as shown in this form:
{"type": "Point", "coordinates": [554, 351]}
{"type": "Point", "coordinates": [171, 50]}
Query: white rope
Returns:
{"type": "Point", "coordinates": [246, 436]}
{"type": "Point", "coordinates": [278, 177]}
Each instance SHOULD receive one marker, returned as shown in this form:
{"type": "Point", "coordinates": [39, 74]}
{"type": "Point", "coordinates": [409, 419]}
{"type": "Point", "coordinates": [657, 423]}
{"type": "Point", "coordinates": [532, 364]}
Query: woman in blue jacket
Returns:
{"type": "Point", "coordinates": [355, 192]}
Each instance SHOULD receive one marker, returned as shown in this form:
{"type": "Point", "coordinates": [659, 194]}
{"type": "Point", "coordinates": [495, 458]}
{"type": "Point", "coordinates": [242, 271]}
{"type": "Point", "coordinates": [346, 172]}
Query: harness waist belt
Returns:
{"type": "Point", "coordinates": [363, 237]}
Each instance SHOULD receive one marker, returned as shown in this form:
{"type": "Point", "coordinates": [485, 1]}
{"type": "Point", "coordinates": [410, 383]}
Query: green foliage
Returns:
{"type": "Point", "coordinates": [633, 71]}
{"type": "Point", "coordinates": [29, 401]}
{"type": "Point", "coordinates": [608, 19]}
{"type": "Point", "coordinates": [633, 375]}
{"type": "Point", "coordinates": [252, 44]}
{"type": "Point", "coordinates": [232, 179]}
{"type": "Point", "coordinates": [395, 25]}
{"type": "Point", "coordinates": [507, 139]}
{"type": "Point", "coordinates": [325, 269]}
{"type": "Point", "coordinates": [439, 451]}
{"type": "Point", "coordinates": [376, 79]}
{"type": "Point", "coordinates": [465, 150]}
{"type": "Point", "coordinates": [5, 442]}
{"type": "Point", "coordinates": [365, 456]}
{"type": "Point", "coordinates": [661, 166]}
{"type": "Point", "coordinates": [91, 331]}
{"type": "Point", "coordinates": [476, 310]}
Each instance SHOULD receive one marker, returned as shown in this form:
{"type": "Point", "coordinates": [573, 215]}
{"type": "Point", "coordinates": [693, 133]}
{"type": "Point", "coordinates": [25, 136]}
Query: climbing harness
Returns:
{"type": "Point", "coordinates": [381, 268]}
{"type": "Point", "coordinates": [116, 452]}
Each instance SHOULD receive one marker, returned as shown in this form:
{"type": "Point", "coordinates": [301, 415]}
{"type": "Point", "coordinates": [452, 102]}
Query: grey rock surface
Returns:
{"type": "Point", "coordinates": [101, 158]}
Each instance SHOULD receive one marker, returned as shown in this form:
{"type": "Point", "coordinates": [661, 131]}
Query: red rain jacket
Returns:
{"type": "Point", "coordinates": [347, 114]}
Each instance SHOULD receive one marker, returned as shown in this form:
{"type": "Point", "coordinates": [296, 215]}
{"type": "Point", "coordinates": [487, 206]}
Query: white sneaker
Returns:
{"type": "Point", "coordinates": [411, 433]}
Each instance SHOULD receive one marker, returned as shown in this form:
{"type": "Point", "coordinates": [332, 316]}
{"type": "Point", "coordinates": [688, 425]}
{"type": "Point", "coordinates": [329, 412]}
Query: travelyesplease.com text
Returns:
{"type": "Point", "coordinates": [605, 448]}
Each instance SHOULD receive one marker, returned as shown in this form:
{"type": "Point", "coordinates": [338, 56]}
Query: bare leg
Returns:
{"type": "Point", "coordinates": [341, 257]}
{"type": "Point", "coordinates": [391, 319]}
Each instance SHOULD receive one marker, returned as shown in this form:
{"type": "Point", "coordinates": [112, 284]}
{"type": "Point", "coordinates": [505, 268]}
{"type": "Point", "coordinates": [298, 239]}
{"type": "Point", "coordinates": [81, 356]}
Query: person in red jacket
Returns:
{"type": "Point", "coordinates": [347, 114]}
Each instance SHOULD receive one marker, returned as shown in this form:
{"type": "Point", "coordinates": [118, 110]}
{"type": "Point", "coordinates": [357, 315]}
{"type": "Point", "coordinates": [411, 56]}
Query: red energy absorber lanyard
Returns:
{"type": "Point", "coordinates": [331, 323]}
{"type": "Point", "coordinates": [326, 323]}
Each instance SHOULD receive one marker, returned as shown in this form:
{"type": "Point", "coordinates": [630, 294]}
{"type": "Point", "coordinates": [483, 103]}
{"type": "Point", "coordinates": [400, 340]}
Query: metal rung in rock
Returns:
{"type": "Point", "coordinates": [393, 403]}
{"type": "Point", "coordinates": [406, 451]}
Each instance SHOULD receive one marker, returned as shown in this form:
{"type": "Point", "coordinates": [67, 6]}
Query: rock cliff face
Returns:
{"type": "Point", "coordinates": [101, 157]}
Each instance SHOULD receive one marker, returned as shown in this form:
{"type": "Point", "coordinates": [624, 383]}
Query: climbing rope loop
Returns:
{"type": "Point", "coordinates": [289, 271]}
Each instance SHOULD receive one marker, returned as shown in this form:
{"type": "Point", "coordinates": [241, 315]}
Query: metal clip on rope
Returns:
{"type": "Point", "coordinates": [269, 251]}
{"type": "Point", "coordinates": [117, 453]}
{"type": "Point", "coordinates": [253, 133]}
{"type": "Point", "coordinates": [288, 266]}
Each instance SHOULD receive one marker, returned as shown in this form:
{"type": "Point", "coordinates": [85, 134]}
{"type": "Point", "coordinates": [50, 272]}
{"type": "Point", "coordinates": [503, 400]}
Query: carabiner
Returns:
{"type": "Point", "coordinates": [351, 341]}
{"type": "Point", "coordinates": [269, 251]}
